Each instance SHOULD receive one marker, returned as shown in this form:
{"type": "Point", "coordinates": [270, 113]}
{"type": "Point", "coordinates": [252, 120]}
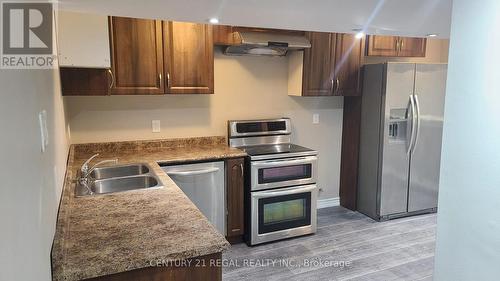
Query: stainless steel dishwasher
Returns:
{"type": "Point", "coordinates": [204, 185]}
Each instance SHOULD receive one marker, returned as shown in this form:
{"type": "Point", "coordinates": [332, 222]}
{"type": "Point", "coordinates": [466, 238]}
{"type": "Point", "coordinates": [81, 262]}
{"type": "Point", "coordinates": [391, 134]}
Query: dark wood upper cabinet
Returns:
{"type": "Point", "coordinates": [319, 64]}
{"type": "Point", "coordinates": [394, 46]}
{"type": "Point", "coordinates": [225, 35]}
{"type": "Point", "coordinates": [151, 57]}
{"type": "Point", "coordinates": [412, 47]}
{"type": "Point", "coordinates": [384, 46]}
{"type": "Point", "coordinates": [136, 56]}
{"type": "Point", "coordinates": [188, 58]}
{"type": "Point", "coordinates": [331, 67]}
{"type": "Point", "coordinates": [234, 191]}
{"type": "Point", "coordinates": [347, 73]}
{"type": "Point", "coordinates": [85, 81]}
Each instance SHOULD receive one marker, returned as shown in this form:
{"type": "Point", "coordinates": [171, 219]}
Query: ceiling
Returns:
{"type": "Point", "coordinates": [390, 17]}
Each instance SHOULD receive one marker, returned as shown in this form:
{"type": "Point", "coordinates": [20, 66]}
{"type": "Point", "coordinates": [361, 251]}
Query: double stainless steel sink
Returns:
{"type": "Point", "coordinates": [119, 171]}
{"type": "Point", "coordinates": [117, 178]}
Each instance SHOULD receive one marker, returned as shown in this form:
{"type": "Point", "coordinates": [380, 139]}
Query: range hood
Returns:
{"type": "Point", "coordinates": [267, 44]}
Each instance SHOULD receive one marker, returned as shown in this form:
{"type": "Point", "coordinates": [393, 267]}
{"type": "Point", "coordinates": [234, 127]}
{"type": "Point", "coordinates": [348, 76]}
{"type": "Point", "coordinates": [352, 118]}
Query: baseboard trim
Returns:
{"type": "Point", "coordinates": [328, 202]}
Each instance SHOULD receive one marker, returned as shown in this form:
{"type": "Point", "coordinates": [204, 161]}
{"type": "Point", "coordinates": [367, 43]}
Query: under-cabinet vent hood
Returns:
{"type": "Point", "coordinates": [267, 44]}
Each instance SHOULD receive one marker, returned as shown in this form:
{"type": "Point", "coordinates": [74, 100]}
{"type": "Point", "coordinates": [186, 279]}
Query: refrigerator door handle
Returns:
{"type": "Point", "coordinates": [411, 104]}
{"type": "Point", "coordinates": [417, 129]}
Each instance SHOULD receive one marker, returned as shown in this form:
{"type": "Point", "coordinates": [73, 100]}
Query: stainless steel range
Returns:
{"type": "Point", "coordinates": [280, 190]}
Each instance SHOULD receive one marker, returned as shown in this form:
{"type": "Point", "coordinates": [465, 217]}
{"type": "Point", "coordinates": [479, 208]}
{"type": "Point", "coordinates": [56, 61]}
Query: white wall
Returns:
{"type": "Point", "coordinates": [31, 182]}
{"type": "Point", "coordinates": [468, 236]}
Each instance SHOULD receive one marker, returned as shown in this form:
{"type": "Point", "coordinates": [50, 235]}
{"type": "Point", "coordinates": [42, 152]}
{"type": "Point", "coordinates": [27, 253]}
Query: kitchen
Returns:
{"type": "Point", "coordinates": [249, 149]}
{"type": "Point", "coordinates": [243, 210]}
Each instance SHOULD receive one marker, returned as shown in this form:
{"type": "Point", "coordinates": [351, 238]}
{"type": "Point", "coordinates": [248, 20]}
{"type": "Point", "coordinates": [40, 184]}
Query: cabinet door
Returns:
{"type": "Point", "coordinates": [412, 47]}
{"type": "Point", "coordinates": [137, 56]}
{"type": "Point", "coordinates": [348, 65]}
{"type": "Point", "coordinates": [83, 40]}
{"type": "Point", "coordinates": [225, 35]}
{"type": "Point", "coordinates": [319, 61]}
{"type": "Point", "coordinates": [384, 46]}
{"type": "Point", "coordinates": [189, 58]}
{"type": "Point", "coordinates": [234, 191]}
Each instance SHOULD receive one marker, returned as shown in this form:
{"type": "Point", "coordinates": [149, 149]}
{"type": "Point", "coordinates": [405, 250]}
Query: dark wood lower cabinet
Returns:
{"type": "Point", "coordinates": [204, 268]}
{"type": "Point", "coordinates": [234, 190]}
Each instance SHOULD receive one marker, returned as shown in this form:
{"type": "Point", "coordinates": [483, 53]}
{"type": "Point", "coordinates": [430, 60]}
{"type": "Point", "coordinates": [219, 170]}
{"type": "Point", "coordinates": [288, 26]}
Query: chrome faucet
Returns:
{"type": "Point", "coordinates": [86, 171]}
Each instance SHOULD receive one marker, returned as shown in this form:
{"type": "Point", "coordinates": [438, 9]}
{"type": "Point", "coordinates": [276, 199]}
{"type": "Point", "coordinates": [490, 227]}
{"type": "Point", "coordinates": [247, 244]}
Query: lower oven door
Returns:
{"type": "Point", "coordinates": [266, 174]}
{"type": "Point", "coordinates": [283, 213]}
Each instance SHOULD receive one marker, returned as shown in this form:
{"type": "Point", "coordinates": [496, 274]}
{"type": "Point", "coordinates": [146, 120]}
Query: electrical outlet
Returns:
{"type": "Point", "coordinates": [156, 126]}
{"type": "Point", "coordinates": [315, 118]}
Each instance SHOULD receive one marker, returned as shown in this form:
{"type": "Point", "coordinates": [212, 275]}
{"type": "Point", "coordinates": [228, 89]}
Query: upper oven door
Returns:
{"type": "Point", "coordinates": [283, 172]}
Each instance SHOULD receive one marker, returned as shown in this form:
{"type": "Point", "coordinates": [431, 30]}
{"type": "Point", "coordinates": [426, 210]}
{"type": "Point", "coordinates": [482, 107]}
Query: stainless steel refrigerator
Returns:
{"type": "Point", "coordinates": [401, 132]}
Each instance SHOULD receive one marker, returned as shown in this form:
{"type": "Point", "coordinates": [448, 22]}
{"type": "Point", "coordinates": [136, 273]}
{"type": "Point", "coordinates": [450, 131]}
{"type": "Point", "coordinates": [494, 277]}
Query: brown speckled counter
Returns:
{"type": "Point", "coordinates": [107, 234]}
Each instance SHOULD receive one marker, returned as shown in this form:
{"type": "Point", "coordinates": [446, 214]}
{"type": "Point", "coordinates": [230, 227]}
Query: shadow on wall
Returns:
{"type": "Point", "coordinates": [129, 112]}
{"type": "Point", "coordinates": [318, 103]}
{"type": "Point", "coordinates": [253, 72]}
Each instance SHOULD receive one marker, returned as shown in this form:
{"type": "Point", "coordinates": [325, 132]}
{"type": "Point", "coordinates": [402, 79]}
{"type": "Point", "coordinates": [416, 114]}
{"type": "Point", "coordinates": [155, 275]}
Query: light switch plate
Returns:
{"type": "Point", "coordinates": [315, 118]}
{"type": "Point", "coordinates": [156, 126]}
{"type": "Point", "coordinates": [44, 132]}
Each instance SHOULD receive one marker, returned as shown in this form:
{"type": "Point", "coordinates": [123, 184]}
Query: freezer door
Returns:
{"type": "Point", "coordinates": [430, 87]}
{"type": "Point", "coordinates": [397, 121]}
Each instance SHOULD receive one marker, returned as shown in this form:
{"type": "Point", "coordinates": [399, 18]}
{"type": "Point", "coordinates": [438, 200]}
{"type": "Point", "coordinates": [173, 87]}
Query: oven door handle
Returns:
{"type": "Point", "coordinates": [284, 162]}
{"type": "Point", "coordinates": [283, 191]}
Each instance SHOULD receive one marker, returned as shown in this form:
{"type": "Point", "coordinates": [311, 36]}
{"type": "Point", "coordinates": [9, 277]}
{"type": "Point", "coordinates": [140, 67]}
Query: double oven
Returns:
{"type": "Point", "coordinates": [280, 189]}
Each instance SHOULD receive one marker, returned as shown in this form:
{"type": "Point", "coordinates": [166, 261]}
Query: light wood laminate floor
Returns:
{"type": "Point", "coordinates": [401, 249]}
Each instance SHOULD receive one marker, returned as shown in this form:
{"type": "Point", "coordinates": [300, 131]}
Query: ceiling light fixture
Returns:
{"type": "Point", "coordinates": [213, 20]}
{"type": "Point", "coordinates": [360, 35]}
{"type": "Point", "coordinates": [432, 35]}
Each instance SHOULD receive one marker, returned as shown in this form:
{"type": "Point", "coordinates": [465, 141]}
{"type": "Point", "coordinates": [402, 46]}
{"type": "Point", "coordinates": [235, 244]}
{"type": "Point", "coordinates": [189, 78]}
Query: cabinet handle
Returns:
{"type": "Point", "coordinates": [112, 79]}
{"type": "Point", "coordinates": [331, 86]}
{"type": "Point", "coordinates": [397, 45]}
{"type": "Point", "coordinates": [168, 79]}
{"type": "Point", "coordinates": [241, 168]}
{"type": "Point", "coordinates": [159, 79]}
{"type": "Point", "coordinates": [337, 85]}
{"type": "Point", "coordinates": [401, 46]}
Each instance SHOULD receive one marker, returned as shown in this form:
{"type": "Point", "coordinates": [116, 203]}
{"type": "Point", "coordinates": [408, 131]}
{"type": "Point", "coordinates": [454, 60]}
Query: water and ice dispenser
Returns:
{"type": "Point", "coordinates": [398, 124]}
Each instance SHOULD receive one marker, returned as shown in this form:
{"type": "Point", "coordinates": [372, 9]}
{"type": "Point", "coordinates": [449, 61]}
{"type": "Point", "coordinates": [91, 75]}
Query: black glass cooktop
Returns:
{"type": "Point", "coordinates": [274, 149]}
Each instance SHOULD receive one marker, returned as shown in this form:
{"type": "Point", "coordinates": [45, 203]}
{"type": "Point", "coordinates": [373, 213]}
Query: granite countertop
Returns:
{"type": "Point", "coordinates": [106, 234]}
